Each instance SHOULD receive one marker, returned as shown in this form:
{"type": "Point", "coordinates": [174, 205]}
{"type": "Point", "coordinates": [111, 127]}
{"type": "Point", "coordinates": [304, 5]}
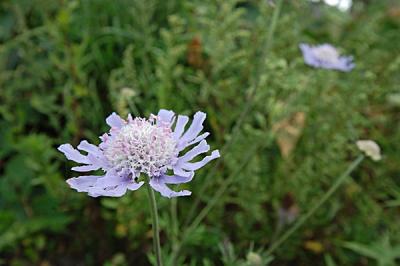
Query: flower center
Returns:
{"type": "Point", "coordinates": [327, 54]}
{"type": "Point", "coordinates": [141, 146]}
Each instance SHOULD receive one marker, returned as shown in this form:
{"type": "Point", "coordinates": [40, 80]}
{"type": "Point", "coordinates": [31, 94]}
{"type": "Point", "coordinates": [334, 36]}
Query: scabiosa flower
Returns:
{"type": "Point", "coordinates": [326, 56]}
{"type": "Point", "coordinates": [136, 146]}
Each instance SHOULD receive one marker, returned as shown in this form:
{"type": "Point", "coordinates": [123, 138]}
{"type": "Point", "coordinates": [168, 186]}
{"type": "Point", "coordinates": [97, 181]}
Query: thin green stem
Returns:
{"type": "Point", "coordinates": [311, 211]}
{"type": "Point", "coordinates": [252, 91]}
{"type": "Point", "coordinates": [154, 216]}
{"type": "Point", "coordinates": [174, 223]}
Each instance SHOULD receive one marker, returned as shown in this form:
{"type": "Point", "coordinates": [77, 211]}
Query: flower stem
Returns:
{"type": "Point", "coordinates": [174, 223]}
{"type": "Point", "coordinates": [327, 195]}
{"type": "Point", "coordinates": [154, 216]}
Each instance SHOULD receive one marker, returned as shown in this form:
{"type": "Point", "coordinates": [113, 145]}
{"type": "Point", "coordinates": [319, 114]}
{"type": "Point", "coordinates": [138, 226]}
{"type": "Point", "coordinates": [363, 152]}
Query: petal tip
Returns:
{"type": "Point", "coordinates": [216, 154]}
{"type": "Point", "coordinates": [62, 147]}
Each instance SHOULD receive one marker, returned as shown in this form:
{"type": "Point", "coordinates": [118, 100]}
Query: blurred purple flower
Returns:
{"type": "Point", "coordinates": [326, 56]}
{"type": "Point", "coordinates": [141, 146]}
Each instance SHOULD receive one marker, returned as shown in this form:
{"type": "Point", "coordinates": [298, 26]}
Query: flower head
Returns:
{"type": "Point", "coordinates": [370, 148]}
{"type": "Point", "coordinates": [326, 56]}
{"type": "Point", "coordinates": [139, 146]}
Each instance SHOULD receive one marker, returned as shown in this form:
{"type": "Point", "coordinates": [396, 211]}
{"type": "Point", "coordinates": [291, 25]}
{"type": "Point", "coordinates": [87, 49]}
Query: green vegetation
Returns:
{"type": "Point", "coordinates": [286, 131]}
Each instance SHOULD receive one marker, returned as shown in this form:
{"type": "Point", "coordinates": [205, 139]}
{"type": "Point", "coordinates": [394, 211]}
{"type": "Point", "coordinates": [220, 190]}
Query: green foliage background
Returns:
{"type": "Point", "coordinates": [66, 65]}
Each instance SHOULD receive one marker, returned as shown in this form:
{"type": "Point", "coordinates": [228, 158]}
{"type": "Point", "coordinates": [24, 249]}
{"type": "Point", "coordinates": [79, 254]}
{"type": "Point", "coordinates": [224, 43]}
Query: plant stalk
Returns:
{"type": "Point", "coordinates": [154, 216]}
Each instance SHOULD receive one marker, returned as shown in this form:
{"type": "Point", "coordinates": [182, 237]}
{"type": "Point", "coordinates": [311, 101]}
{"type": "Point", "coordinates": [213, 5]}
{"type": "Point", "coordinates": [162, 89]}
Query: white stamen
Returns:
{"type": "Point", "coordinates": [326, 53]}
{"type": "Point", "coordinates": [141, 146]}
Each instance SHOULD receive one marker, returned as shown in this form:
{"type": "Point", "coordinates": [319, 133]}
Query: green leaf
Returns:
{"type": "Point", "coordinates": [19, 230]}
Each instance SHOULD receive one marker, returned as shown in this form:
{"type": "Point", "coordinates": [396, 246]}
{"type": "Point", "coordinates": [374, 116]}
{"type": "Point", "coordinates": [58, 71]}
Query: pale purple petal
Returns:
{"type": "Point", "coordinates": [85, 168]}
{"type": "Point", "coordinates": [199, 138]}
{"type": "Point", "coordinates": [158, 185]}
{"type": "Point", "coordinates": [98, 161]}
{"type": "Point", "coordinates": [82, 183]}
{"type": "Point", "coordinates": [112, 178]}
{"type": "Point", "coordinates": [134, 186]}
{"type": "Point", "coordinates": [195, 128]}
{"type": "Point", "coordinates": [73, 154]}
{"type": "Point", "coordinates": [113, 185]}
{"type": "Point", "coordinates": [90, 148]}
{"type": "Point", "coordinates": [175, 179]}
{"type": "Point", "coordinates": [165, 116]}
{"type": "Point", "coordinates": [94, 159]}
{"type": "Point", "coordinates": [347, 63]}
{"type": "Point", "coordinates": [115, 121]}
{"type": "Point", "coordinates": [180, 172]}
{"type": "Point", "coordinates": [308, 56]}
{"type": "Point", "coordinates": [202, 147]}
{"type": "Point", "coordinates": [197, 165]}
{"type": "Point", "coordinates": [116, 191]}
{"type": "Point", "coordinates": [180, 126]}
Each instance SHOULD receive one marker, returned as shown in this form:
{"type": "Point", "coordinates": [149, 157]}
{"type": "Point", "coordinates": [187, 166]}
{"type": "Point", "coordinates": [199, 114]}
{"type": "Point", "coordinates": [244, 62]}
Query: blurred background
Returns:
{"type": "Point", "coordinates": [285, 130]}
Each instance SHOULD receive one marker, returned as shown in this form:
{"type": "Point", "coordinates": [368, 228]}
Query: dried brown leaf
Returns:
{"type": "Point", "coordinates": [288, 132]}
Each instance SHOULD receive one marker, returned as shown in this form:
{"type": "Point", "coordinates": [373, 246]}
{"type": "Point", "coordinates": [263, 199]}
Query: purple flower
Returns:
{"type": "Point", "coordinates": [141, 146]}
{"type": "Point", "coordinates": [326, 56]}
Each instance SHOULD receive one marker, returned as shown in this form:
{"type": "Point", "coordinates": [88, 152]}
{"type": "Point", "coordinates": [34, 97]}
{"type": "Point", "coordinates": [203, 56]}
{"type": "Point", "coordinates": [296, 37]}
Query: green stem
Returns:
{"type": "Point", "coordinates": [174, 223]}
{"type": "Point", "coordinates": [305, 217]}
{"type": "Point", "coordinates": [154, 216]}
